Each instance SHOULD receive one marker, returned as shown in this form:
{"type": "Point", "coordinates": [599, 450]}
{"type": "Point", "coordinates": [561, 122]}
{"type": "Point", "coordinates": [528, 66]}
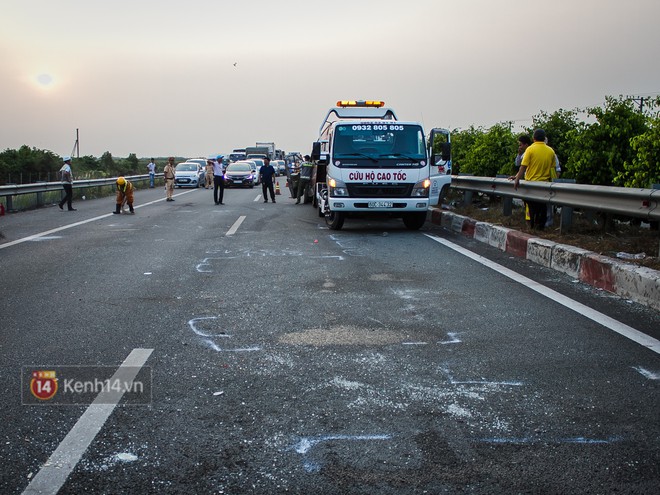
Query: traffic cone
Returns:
{"type": "Point", "coordinates": [277, 188]}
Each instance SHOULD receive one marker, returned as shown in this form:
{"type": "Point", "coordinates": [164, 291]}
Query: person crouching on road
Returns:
{"type": "Point", "coordinates": [124, 193]}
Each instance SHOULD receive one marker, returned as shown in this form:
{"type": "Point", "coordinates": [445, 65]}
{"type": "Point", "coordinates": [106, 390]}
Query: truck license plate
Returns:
{"type": "Point", "coordinates": [380, 204]}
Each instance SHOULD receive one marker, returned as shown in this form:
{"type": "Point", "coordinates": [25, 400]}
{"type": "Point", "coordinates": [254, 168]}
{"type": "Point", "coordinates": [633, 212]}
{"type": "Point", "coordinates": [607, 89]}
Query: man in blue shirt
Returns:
{"type": "Point", "coordinates": [267, 173]}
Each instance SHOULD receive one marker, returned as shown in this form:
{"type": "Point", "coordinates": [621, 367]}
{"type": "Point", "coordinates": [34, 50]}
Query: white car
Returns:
{"type": "Point", "coordinates": [188, 174]}
{"type": "Point", "coordinates": [279, 166]}
{"type": "Point", "coordinates": [202, 164]}
{"type": "Point", "coordinates": [258, 163]}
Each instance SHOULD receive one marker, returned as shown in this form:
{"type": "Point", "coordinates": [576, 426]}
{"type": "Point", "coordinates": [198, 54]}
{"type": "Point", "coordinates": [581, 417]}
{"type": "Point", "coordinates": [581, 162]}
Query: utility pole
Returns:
{"type": "Point", "coordinates": [640, 102]}
{"type": "Point", "coordinates": [76, 146]}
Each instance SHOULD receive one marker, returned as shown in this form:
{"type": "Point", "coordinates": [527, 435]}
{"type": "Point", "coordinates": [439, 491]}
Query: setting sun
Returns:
{"type": "Point", "coordinates": [44, 81]}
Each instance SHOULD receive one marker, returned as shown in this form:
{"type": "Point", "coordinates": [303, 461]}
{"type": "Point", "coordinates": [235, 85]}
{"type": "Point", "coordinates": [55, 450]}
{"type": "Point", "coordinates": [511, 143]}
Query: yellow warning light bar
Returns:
{"type": "Point", "coordinates": [360, 103]}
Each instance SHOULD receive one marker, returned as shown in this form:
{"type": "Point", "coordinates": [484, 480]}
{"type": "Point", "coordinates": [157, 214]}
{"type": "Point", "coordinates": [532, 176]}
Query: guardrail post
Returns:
{"type": "Point", "coordinates": [467, 195]}
{"type": "Point", "coordinates": [656, 225]}
{"type": "Point", "coordinates": [566, 216]}
{"type": "Point", "coordinates": [40, 195]}
{"type": "Point", "coordinates": [507, 201]}
{"type": "Point", "coordinates": [507, 206]}
{"type": "Point", "coordinates": [10, 204]}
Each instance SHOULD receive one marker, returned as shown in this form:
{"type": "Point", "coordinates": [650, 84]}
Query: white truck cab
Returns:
{"type": "Point", "coordinates": [367, 161]}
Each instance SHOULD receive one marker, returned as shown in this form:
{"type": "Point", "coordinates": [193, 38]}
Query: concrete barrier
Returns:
{"type": "Point", "coordinates": [540, 251]}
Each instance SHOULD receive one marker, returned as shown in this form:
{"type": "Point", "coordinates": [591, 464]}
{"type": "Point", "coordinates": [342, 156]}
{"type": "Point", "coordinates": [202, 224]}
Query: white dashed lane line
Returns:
{"type": "Point", "coordinates": [604, 320]}
{"type": "Point", "coordinates": [60, 464]}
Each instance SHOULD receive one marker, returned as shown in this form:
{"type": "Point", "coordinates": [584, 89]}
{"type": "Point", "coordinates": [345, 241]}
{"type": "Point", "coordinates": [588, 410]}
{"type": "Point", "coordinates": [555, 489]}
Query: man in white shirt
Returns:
{"type": "Point", "coordinates": [66, 176]}
{"type": "Point", "coordinates": [152, 173]}
{"type": "Point", "coordinates": [218, 180]}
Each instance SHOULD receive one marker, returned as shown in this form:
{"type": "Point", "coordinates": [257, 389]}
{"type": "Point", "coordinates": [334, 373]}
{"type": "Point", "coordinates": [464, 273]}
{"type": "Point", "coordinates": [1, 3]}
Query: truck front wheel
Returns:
{"type": "Point", "coordinates": [443, 194]}
{"type": "Point", "coordinates": [414, 221]}
{"type": "Point", "coordinates": [335, 220]}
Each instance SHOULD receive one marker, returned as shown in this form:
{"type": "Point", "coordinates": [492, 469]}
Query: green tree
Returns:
{"type": "Point", "coordinates": [599, 150]}
{"type": "Point", "coordinates": [107, 163]}
{"type": "Point", "coordinates": [132, 161]}
{"type": "Point", "coordinates": [87, 162]}
{"type": "Point", "coordinates": [492, 152]}
{"type": "Point", "coordinates": [644, 169]}
{"type": "Point", "coordinates": [461, 142]}
{"type": "Point", "coordinates": [27, 164]}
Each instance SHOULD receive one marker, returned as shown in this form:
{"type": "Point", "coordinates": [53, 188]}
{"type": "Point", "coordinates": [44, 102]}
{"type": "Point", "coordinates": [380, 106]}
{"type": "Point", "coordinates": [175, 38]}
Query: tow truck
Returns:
{"type": "Point", "coordinates": [367, 161]}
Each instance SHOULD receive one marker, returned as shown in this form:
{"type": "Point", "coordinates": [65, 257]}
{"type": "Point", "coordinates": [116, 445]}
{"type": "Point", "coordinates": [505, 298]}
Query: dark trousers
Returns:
{"type": "Point", "coordinates": [302, 185]}
{"type": "Point", "coordinates": [265, 187]}
{"type": "Point", "coordinates": [538, 214]}
{"type": "Point", "coordinates": [218, 185]}
{"type": "Point", "coordinates": [68, 190]}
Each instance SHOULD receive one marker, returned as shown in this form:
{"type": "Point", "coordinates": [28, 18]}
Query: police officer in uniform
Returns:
{"type": "Point", "coordinates": [168, 172]}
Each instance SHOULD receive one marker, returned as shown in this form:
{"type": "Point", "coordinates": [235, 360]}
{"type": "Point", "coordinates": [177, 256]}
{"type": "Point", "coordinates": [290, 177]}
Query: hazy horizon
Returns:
{"type": "Point", "coordinates": [196, 78]}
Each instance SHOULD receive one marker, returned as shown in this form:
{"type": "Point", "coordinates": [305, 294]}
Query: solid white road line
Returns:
{"type": "Point", "coordinates": [76, 224]}
{"type": "Point", "coordinates": [614, 325]}
{"type": "Point", "coordinates": [54, 473]}
{"type": "Point", "coordinates": [236, 225]}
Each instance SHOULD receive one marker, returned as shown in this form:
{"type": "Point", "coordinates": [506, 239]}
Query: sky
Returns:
{"type": "Point", "coordinates": [201, 77]}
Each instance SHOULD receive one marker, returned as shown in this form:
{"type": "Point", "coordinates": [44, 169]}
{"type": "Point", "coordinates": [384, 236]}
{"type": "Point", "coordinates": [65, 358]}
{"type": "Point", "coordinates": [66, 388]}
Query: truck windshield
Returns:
{"type": "Point", "coordinates": [379, 141]}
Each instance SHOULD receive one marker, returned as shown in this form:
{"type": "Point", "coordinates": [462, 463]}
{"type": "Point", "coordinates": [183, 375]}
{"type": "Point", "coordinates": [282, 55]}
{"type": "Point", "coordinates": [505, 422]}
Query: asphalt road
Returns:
{"type": "Point", "coordinates": [278, 356]}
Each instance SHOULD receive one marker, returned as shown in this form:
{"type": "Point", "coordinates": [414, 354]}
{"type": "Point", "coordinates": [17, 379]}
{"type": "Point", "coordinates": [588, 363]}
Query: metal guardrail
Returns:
{"type": "Point", "coordinates": [38, 188]}
{"type": "Point", "coordinates": [632, 202]}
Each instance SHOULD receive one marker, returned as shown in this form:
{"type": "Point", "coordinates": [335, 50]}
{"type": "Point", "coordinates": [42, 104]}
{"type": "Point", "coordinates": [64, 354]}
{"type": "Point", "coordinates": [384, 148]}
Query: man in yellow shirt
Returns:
{"type": "Point", "coordinates": [538, 164]}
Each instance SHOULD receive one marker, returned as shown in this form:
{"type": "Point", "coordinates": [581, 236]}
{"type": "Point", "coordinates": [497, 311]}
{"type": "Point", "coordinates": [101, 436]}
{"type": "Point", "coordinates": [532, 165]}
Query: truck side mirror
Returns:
{"type": "Point", "coordinates": [446, 151]}
{"type": "Point", "coordinates": [316, 150]}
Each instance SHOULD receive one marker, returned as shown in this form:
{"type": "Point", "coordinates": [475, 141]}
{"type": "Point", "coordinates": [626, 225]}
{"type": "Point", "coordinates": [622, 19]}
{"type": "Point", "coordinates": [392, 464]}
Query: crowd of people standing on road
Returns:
{"type": "Point", "coordinates": [214, 177]}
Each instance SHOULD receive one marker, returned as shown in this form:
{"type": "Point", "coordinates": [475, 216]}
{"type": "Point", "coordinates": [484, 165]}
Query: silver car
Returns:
{"type": "Point", "coordinates": [202, 164]}
{"type": "Point", "coordinates": [188, 174]}
{"type": "Point", "coordinates": [279, 166]}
